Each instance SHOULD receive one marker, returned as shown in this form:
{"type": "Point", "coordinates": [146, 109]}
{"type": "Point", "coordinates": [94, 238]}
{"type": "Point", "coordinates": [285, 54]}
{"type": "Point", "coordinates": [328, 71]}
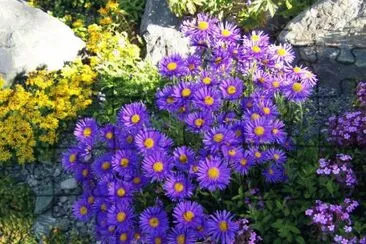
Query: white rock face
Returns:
{"type": "Point", "coordinates": [30, 38]}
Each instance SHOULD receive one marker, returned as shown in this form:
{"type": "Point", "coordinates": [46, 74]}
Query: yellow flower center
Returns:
{"type": "Point", "coordinates": [255, 116]}
{"type": "Point", "coordinates": [213, 173]}
{"type": "Point", "coordinates": [243, 161]}
{"type": "Point", "coordinates": [181, 239]}
{"type": "Point", "coordinates": [72, 158]}
{"type": "Point", "coordinates": [157, 240]}
{"type": "Point", "coordinates": [186, 92]}
{"type": "Point", "coordinates": [261, 79]}
{"type": "Point", "coordinates": [135, 118]}
{"type": "Point", "coordinates": [207, 80]}
{"type": "Point", "coordinates": [87, 132]}
{"type": "Point", "coordinates": [191, 67]}
{"type": "Point", "coordinates": [266, 110]}
{"type": "Point", "coordinates": [270, 171]}
{"type": "Point", "coordinates": [149, 143]}
{"type": "Point", "coordinates": [218, 137]}
{"type": "Point", "coordinates": [121, 192]}
{"type": "Point", "coordinates": [129, 139]}
{"type": "Point", "coordinates": [103, 207]}
{"type": "Point", "coordinates": [256, 49]}
{"type": "Point", "coordinates": [255, 38]}
{"type": "Point", "coordinates": [275, 84]}
{"type": "Point", "coordinates": [209, 100]}
{"type": "Point", "coordinates": [124, 162]}
{"type": "Point", "coordinates": [106, 165]}
{"type": "Point", "coordinates": [178, 187]}
{"type": "Point", "coordinates": [297, 69]}
{"type": "Point", "coordinates": [188, 216]}
{"type": "Point", "coordinates": [258, 154]}
{"type": "Point", "coordinates": [238, 133]}
{"type": "Point", "coordinates": [275, 131]}
{"type": "Point", "coordinates": [195, 168]}
{"type": "Point", "coordinates": [85, 172]}
{"type": "Point", "coordinates": [158, 167]}
{"type": "Point", "coordinates": [111, 228]}
{"type": "Point", "coordinates": [259, 130]}
{"type": "Point", "coordinates": [83, 210]}
{"type": "Point", "coordinates": [281, 52]}
{"type": "Point", "coordinates": [123, 237]}
{"type": "Point", "coordinates": [223, 226]}
{"type": "Point", "coordinates": [199, 122]}
{"type": "Point", "coordinates": [232, 152]}
{"type": "Point", "coordinates": [203, 25]}
{"type": "Point", "coordinates": [218, 60]}
{"type": "Point", "coordinates": [109, 135]}
{"type": "Point", "coordinates": [136, 180]}
{"type": "Point", "coordinates": [172, 66]}
{"type": "Point", "coordinates": [153, 222]}
{"type": "Point", "coordinates": [121, 216]}
{"type": "Point", "coordinates": [276, 156]}
{"type": "Point", "coordinates": [183, 158]}
{"type": "Point", "coordinates": [137, 236]}
{"type": "Point", "coordinates": [170, 100]}
{"type": "Point", "coordinates": [297, 87]}
{"type": "Point", "coordinates": [231, 90]}
{"type": "Point", "coordinates": [225, 32]}
{"type": "Point", "coordinates": [182, 109]}
{"type": "Point", "coordinates": [249, 104]}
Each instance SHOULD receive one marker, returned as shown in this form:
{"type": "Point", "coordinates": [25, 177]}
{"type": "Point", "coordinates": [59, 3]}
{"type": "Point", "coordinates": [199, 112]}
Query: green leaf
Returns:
{"type": "Point", "coordinates": [288, 4]}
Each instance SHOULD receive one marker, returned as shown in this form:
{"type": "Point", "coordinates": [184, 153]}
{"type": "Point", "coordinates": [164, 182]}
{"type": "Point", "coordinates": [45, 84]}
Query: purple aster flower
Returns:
{"type": "Point", "coordinates": [86, 131]}
{"type": "Point", "coordinates": [184, 157]}
{"type": "Point", "coordinates": [124, 162]}
{"type": "Point", "coordinates": [261, 77]}
{"type": "Point", "coordinates": [213, 174]}
{"type": "Point", "coordinates": [199, 121]}
{"type": "Point", "coordinates": [232, 88]}
{"type": "Point", "coordinates": [173, 66]}
{"type": "Point", "coordinates": [276, 155]}
{"type": "Point", "coordinates": [231, 153]}
{"type": "Point", "coordinates": [274, 173]}
{"type": "Point", "coordinates": [123, 237]}
{"type": "Point", "coordinates": [125, 139]}
{"type": "Point", "coordinates": [137, 180]}
{"type": "Point", "coordinates": [180, 236]}
{"type": "Point", "coordinates": [277, 131]}
{"type": "Point", "coordinates": [217, 137]}
{"type": "Point", "coordinates": [258, 131]}
{"type": "Point", "coordinates": [165, 99]}
{"type": "Point", "coordinates": [207, 99]}
{"type": "Point", "coordinates": [297, 92]}
{"type": "Point", "coordinates": [259, 38]}
{"type": "Point", "coordinates": [203, 26]}
{"type": "Point", "coordinates": [121, 191]}
{"type": "Point", "coordinates": [266, 108]}
{"type": "Point", "coordinates": [221, 60]}
{"type": "Point", "coordinates": [70, 159]}
{"type": "Point", "coordinates": [209, 78]}
{"type": "Point", "coordinates": [153, 221]}
{"type": "Point", "coordinates": [194, 64]}
{"type": "Point", "coordinates": [222, 228]}
{"type": "Point", "coordinates": [133, 116]}
{"type": "Point", "coordinates": [238, 128]}
{"type": "Point", "coordinates": [178, 187]}
{"type": "Point", "coordinates": [188, 215]}
{"type": "Point", "coordinates": [226, 117]}
{"type": "Point", "coordinates": [121, 216]}
{"type": "Point", "coordinates": [227, 32]}
{"type": "Point", "coordinates": [243, 164]}
{"type": "Point", "coordinates": [184, 91]}
{"type": "Point", "coordinates": [257, 154]}
{"type": "Point", "coordinates": [83, 172]}
{"type": "Point", "coordinates": [108, 135]}
{"type": "Point", "coordinates": [102, 166]}
{"type": "Point", "coordinates": [157, 239]}
{"type": "Point", "coordinates": [150, 141]}
{"type": "Point", "coordinates": [157, 166]}
{"type": "Point", "coordinates": [283, 52]}
{"type": "Point", "coordinates": [82, 210]}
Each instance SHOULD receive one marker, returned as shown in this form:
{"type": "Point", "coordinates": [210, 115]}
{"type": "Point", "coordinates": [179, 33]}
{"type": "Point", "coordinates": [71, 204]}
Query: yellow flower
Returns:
{"type": "Point", "coordinates": [103, 11]}
{"type": "Point", "coordinates": [105, 21]}
{"type": "Point", "coordinates": [78, 23]}
{"type": "Point", "coordinates": [112, 5]}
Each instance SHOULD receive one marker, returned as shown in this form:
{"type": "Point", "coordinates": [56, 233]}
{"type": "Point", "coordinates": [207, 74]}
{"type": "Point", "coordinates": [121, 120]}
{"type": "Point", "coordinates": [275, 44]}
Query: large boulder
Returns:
{"type": "Point", "coordinates": [160, 29]}
{"type": "Point", "coordinates": [330, 37]}
{"type": "Point", "coordinates": [30, 38]}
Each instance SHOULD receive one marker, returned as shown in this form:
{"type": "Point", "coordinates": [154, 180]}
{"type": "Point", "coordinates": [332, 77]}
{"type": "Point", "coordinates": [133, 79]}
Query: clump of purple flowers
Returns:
{"type": "Point", "coordinates": [341, 170]}
{"type": "Point", "coordinates": [334, 220]}
{"type": "Point", "coordinates": [349, 129]}
{"type": "Point", "coordinates": [226, 92]}
{"type": "Point", "coordinates": [246, 234]}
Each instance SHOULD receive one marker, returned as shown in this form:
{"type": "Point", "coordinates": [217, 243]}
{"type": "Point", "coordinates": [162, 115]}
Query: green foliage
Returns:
{"type": "Point", "coordinates": [249, 16]}
{"type": "Point", "coordinates": [16, 211]}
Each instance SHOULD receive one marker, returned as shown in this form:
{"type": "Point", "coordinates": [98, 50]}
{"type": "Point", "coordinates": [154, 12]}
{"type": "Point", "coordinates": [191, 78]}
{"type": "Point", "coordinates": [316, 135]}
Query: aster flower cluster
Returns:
{"type": "Point", "coordinates": [334, 220]}
{"type": "Point", "coordinates": [246, 234]}
{"type": "Point", "coordinates": [226, 91]}
{"type": "Point", "coordinates": [341, 170]}
{"type": "Point", "coordinates": [116, 162]}
{"type": "Point", "coordinates": [350, 129]}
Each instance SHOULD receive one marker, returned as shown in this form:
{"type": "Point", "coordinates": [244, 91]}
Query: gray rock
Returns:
{"type": "Point", "coordinates": [159, 28]}
{"type": "Point", "coordinates": [44, 196]}
{"type": "Point", "coordinates": [43, 225]}
{"type": "Point", "coordinates": [30, 38]}
{"type": "Point", "coordinates": [68, 184]}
